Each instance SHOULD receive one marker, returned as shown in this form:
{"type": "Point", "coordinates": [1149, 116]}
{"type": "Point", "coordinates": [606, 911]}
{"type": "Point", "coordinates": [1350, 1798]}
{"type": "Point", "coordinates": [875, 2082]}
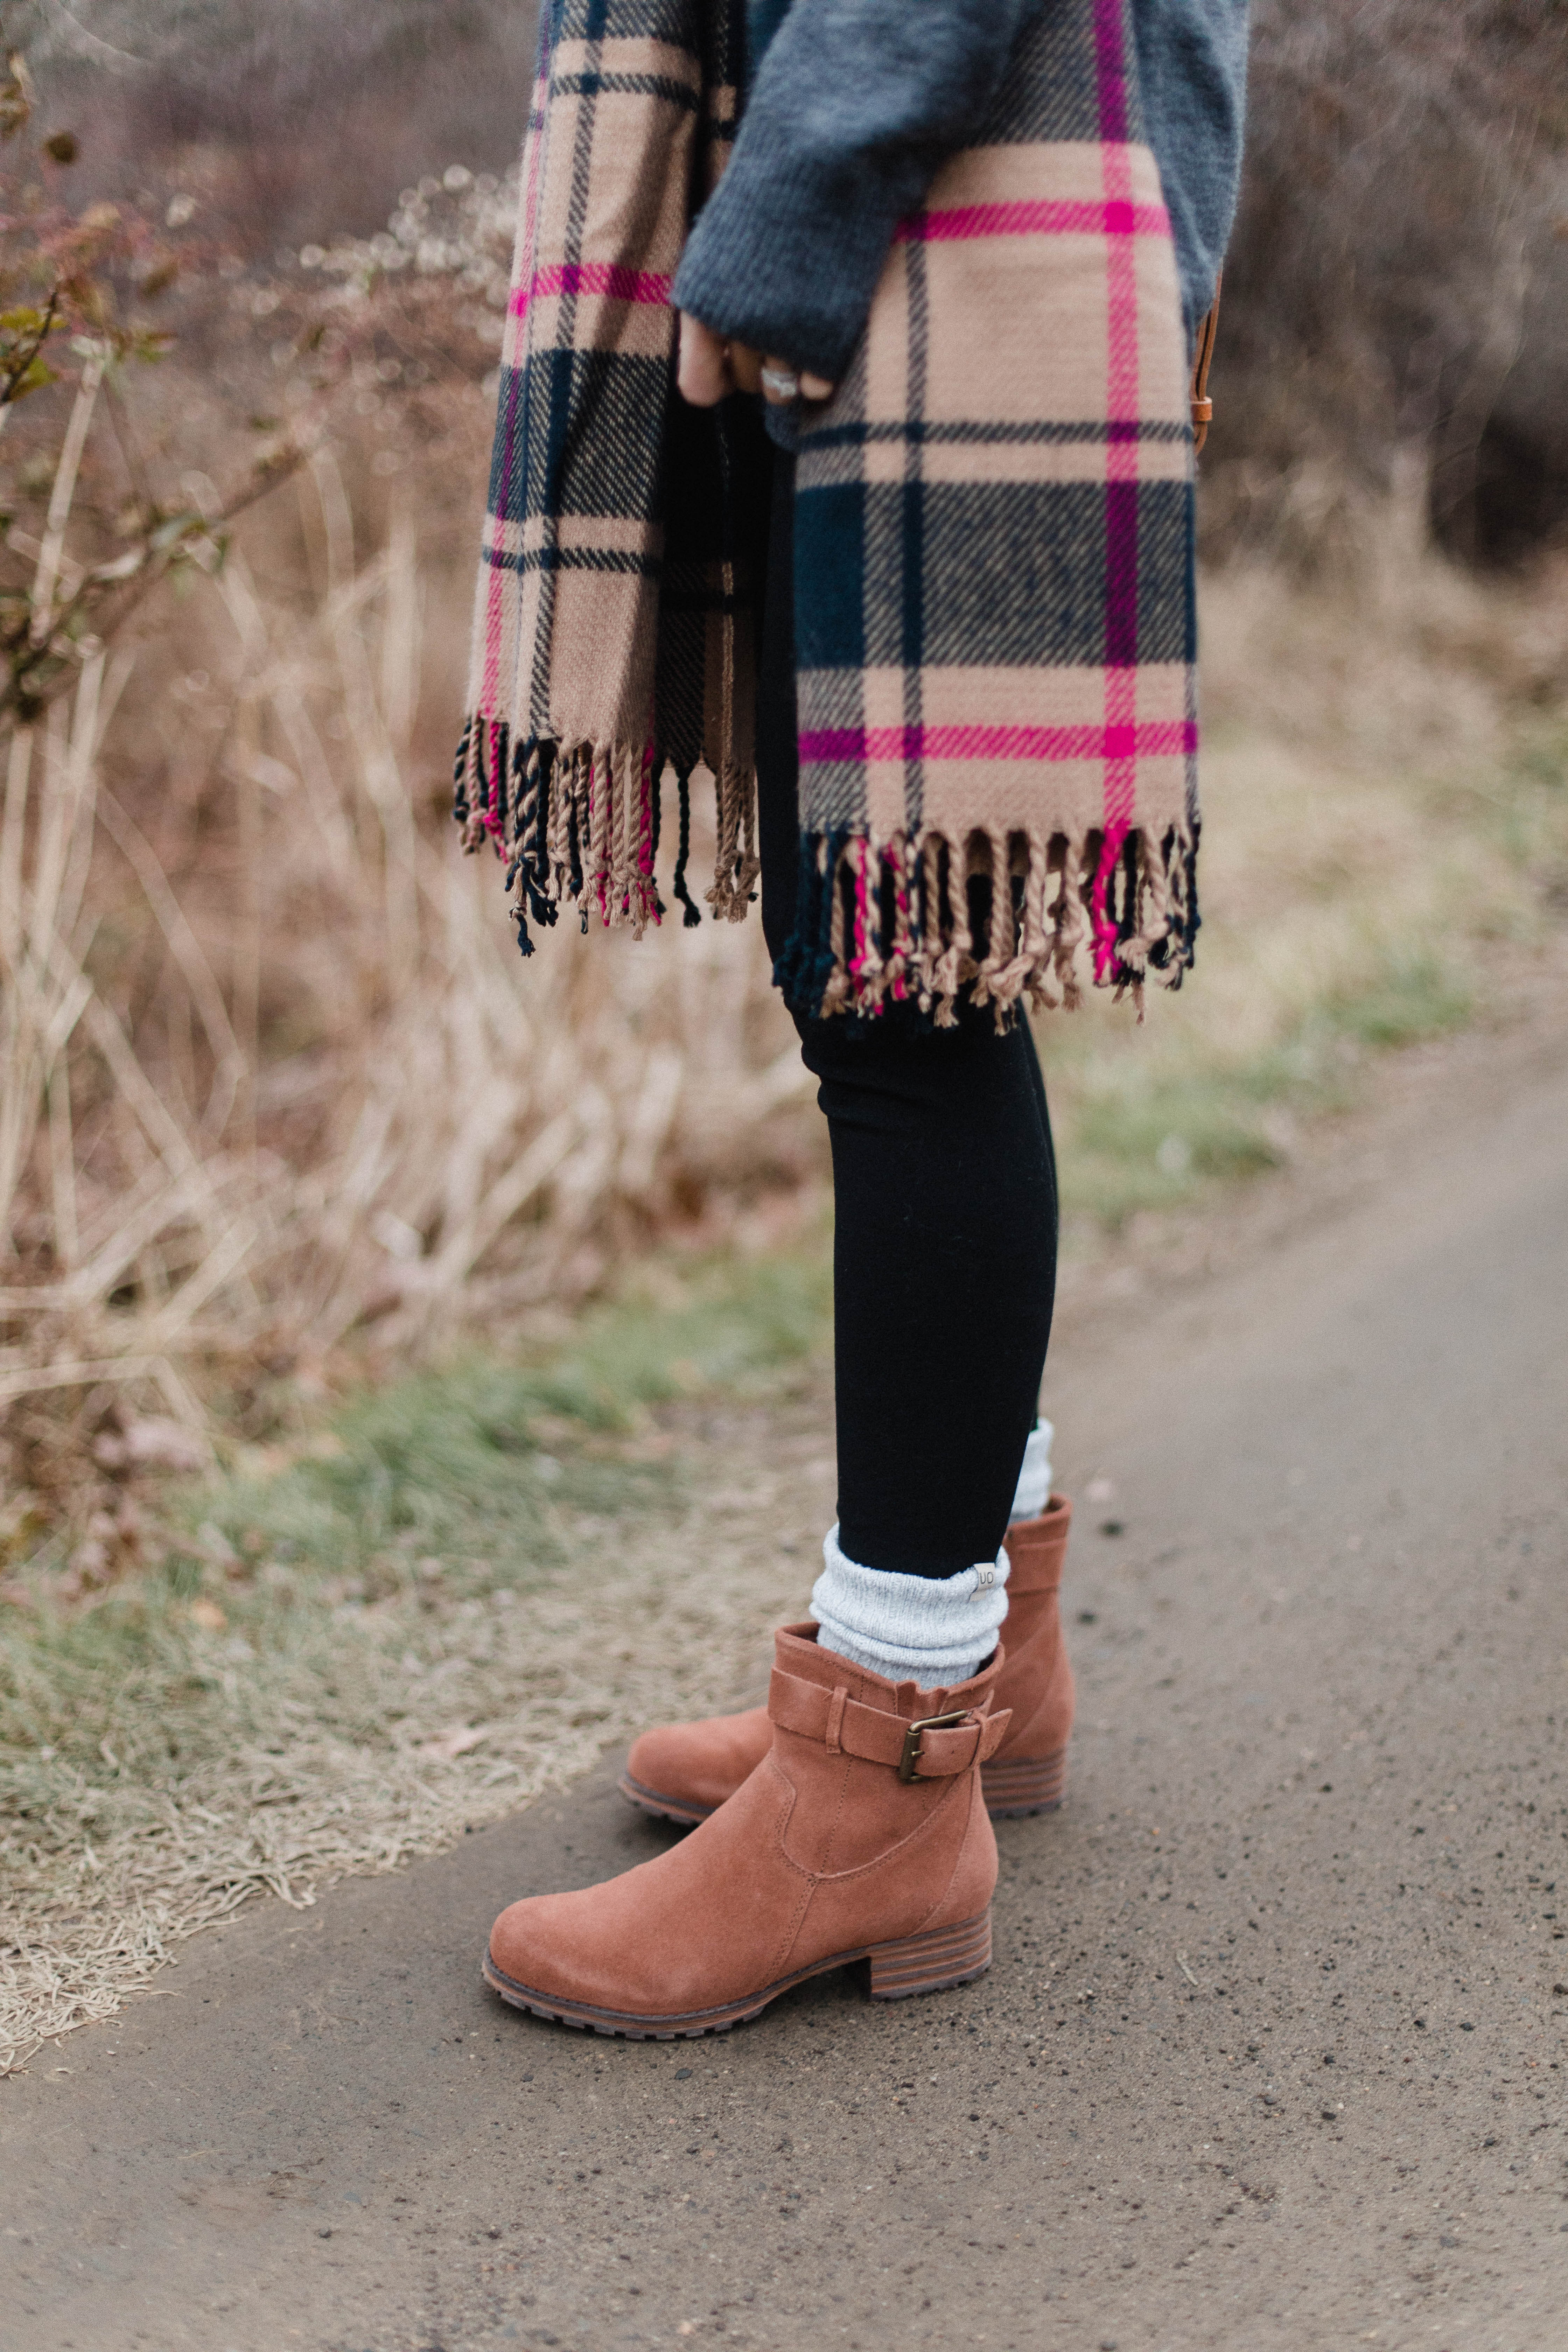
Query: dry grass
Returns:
{"type": "Point", "coordinates": [272, 1072]}
{"type": "Point", "coordinates": [314, 1088]}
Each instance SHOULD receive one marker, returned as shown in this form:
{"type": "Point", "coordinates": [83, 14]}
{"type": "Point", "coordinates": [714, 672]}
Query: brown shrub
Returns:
{"type": "Point", "coordinates": [1398, 280]}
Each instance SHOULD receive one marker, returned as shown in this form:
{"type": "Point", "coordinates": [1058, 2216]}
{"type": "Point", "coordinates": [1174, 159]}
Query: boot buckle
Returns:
{"type": "Point", "coordinates": [911, 1756]}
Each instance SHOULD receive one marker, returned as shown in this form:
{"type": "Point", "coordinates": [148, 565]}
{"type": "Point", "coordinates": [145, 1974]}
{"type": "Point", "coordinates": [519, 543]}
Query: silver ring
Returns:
{"type": "Point", "coordinates": [781, 383]}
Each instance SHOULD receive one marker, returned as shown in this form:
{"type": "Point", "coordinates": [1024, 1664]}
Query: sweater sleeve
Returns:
{"type": "Point", "coordinates": [1192, 64]}
{"type": "Point", "coordinates": [855, 108]}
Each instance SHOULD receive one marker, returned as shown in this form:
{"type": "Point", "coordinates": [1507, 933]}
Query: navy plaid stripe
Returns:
{"type": "Point", "coordinates": [614, 470]}
{"type": "Point", "coordinates": [611, 470]}
{"type": "Point", "coordinates": [576, 559]}
{"type": "Point", "coordinates": [1057, 97]}
{"type": "Point", "coordinates": [629, 85]}
{"type": "Point", "coordinates": [1003, 574]}
{"type": "Point", "coordinates": [553, 410]}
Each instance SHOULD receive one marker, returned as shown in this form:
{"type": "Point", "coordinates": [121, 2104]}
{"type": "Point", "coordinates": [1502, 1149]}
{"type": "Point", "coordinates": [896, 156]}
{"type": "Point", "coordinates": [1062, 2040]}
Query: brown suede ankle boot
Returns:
{"type": "Point", "coordinates": [684, 1771]}
{"type": "Point", "coordinates": [862, 1834]}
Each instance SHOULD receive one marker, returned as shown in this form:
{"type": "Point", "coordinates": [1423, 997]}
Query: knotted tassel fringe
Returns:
{"type": "Point", "coordinates": [890, 922]}
{"type": "Point", "coordinates": [581, 822]}
{"type": "Point", "coordinates": [876, 922]}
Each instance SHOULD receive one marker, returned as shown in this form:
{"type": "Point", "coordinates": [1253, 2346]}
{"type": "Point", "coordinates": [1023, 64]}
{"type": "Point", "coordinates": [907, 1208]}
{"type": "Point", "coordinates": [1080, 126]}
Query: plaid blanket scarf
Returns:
{"type": "Point", "coordinates": [994, 623]}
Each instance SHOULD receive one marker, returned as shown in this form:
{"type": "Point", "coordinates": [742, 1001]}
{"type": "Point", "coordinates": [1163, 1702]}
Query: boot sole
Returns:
{"type": "Point", "coordinates": [933, 1961]}
{"type": "Point", "coordinates": [1030, 1785]}
{"type": "Point", "coordinates": [664, 1808]}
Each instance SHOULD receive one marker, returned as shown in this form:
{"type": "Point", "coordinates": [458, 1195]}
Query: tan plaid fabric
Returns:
{"type": "Point", "coordinates": [1006, 475]}
{"type": "Point", "coordinates": [995, 615]}
{"type": "Point", "coordinates": [612, 632]}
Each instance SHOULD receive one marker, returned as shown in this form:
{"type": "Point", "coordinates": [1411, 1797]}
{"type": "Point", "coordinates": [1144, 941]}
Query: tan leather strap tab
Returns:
{"type": "Point", "coordinates": [877, 1737]}
{"type": "Point", "coordinates": [1203, 406]}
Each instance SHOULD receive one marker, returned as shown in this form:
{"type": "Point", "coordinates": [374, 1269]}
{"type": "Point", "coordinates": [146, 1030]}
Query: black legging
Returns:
{"type": "Point", "coordinates": [944, 1251]}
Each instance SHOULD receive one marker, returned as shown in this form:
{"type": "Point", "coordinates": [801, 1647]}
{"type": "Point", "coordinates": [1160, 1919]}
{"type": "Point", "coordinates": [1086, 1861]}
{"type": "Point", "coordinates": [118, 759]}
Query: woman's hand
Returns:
{"type": "Point", "coordinates": [709, 368]}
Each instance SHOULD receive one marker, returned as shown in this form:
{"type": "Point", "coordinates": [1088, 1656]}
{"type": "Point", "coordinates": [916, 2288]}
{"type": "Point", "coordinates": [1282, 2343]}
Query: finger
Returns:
{"type": "Point", "coordinates": [746, 365]}
{"type": "Point", "coordinates": [702, 370]}
{"type": "Point", "coordinates": [815, 387]}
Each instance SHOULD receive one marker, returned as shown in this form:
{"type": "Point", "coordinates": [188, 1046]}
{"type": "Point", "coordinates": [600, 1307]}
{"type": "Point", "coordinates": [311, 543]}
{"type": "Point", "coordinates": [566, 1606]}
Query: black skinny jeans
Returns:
{"type": "Point", "coordinates": [944, 1251]}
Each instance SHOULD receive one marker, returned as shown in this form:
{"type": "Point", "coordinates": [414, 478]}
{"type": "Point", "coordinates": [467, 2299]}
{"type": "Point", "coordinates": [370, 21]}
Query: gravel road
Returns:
{"type": "Point", "coordinates": [1273, 2051]}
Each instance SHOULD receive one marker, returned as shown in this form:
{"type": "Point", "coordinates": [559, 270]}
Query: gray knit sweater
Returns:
{"type": "Point", "coordinates": [853, 107]}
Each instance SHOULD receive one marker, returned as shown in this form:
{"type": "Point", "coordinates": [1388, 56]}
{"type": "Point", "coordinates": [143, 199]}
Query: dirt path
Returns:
{"type": "Point", "coordinates": [1273, 2051]}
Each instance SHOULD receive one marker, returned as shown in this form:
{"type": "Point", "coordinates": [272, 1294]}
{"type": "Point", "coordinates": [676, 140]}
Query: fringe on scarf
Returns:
{"type": "Point", "coordinates": [581, 822]}
{"type": "Point", "coordinates": [876, 922]}
{"type": "Point", "coordinates": [890, 922]}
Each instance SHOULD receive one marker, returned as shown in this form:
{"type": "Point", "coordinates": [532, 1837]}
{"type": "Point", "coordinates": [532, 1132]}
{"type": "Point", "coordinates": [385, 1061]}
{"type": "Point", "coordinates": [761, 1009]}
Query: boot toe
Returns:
{"type": "Point", "coordinates": [544, 1945]}
{"type": "Point", "coordinates": [643, 1945]}
{"type": "Point", "coordinates": [699, 1765]}
{"type": "Point", "coordinates": [660, 1759]}
{"type": "Point", "coordinates": [673, 1939]}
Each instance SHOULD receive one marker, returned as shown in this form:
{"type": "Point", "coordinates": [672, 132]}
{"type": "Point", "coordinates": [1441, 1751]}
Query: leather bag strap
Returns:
{"type": "Point", "coordinates": [1203, 406]}
{"type": "Point", "coordinates": [877, 1737]}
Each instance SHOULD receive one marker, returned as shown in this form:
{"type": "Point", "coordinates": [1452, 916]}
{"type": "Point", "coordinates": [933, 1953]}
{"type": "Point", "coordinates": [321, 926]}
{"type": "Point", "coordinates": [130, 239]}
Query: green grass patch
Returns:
{"type": "Point", "coordinates": [408, 1506]}
{"type": "Point", "coordinates": [1146, 1124]}
{"type": "Point", "coordinates": [446, 1486]}
{"type": "Point", "coordinates": [479, 1461]}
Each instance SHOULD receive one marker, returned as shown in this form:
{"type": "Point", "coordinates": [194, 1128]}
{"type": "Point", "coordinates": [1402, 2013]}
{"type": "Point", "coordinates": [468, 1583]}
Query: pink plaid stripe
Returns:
{"type": "Point", "coordinates": [1120, 474]}
{"type": "Point", "coordinates": [1115, 742]}
{"type": "Point", "coordinates": [605, 277]}
{"type": "Point", "coordinates": [1117, 216]}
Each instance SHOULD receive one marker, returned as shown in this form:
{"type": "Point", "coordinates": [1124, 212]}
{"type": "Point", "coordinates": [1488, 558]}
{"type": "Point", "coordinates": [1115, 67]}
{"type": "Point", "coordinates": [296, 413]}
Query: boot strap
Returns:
{"type": "Point", "coordinates": [931, 1747]}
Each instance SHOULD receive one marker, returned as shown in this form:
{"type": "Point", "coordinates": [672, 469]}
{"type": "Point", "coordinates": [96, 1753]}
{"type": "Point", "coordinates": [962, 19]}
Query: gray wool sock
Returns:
{"type": "Point", "coordinates": [928, 1630]}
{"type": "Point", "coordinates": [1035, 1477]}
{"type": "Point", "coordinates": [935, 1630]}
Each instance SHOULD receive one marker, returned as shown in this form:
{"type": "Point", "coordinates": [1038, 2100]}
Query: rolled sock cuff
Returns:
{"type": "Point", "coordinates": [1035, 1477]}
{"type": "Point", "coordinates": [928, 1628]}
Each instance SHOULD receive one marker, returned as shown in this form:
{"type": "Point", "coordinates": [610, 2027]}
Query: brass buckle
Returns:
{"type": "Point", "coordinates": [911, 1756]}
